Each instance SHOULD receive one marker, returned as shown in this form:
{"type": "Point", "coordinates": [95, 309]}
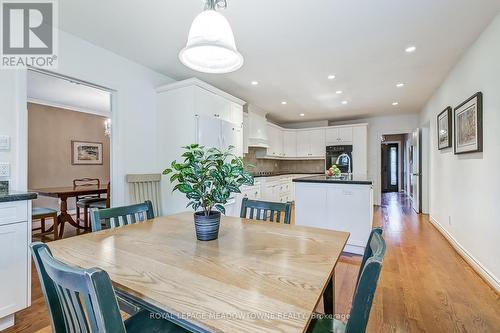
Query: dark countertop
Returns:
{"type": "Point", "coordinates": [16, 196]}
{"type": "Point", "coordinates": [354, 180]}
{"type": "Point", "coordinates": [285, 174]}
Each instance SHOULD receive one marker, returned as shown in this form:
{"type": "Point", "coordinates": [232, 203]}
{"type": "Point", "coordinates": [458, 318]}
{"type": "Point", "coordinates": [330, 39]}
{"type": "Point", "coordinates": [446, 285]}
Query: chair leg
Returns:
{"type": "Point", "coordinates": [42, 225]}
{"type": "Point", "coordinates": [55, 227]}
{"type": "Point", "coordinates": [86, 218]}
{"type": "Point", "coordinates": [77, 215]}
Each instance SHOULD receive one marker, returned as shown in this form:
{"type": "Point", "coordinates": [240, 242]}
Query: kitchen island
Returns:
{"type": "Point", "coordinates": [343, 204]}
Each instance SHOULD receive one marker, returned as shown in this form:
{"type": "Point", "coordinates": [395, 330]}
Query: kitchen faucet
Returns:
{"type": "Point", "coordinates": [348, 158]}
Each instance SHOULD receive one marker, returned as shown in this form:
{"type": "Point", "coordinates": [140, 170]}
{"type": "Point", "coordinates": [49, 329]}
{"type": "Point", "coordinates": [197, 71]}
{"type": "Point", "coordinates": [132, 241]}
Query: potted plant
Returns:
{"type": "Point", "coordinates": [207, 177]}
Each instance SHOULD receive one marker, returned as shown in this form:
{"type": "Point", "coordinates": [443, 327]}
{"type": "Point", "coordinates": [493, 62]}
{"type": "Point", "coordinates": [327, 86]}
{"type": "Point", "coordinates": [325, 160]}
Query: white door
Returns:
{"type": "Point", "coordinates": [416, 173]}
{"type": "Point", "coordinates": [232, 135]}
{"type": "Point", "coordinates": [289, 143]}
{"type": "Point", "coordinates": [317, 142]}
{"type": "Point", "coordinates": [303, 146]}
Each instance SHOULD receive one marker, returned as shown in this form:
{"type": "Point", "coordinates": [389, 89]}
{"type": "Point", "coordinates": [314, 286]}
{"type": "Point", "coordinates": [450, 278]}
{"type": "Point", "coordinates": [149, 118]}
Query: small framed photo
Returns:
{"type": "Point", "coordinates": [444, 128]}
{"type": "Point", "coordinates": [469, 125]}
{"type": "Point", "coordinates": [86, 153]}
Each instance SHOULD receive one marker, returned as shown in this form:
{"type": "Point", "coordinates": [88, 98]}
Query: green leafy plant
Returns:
{"type": "Point", "coordinates": [208, 176]}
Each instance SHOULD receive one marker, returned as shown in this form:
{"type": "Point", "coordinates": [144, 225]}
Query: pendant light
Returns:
{"type": "Point", "coordinates": [211, 47]}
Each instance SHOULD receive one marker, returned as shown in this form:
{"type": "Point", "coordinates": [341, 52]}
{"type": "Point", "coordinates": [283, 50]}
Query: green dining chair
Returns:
{"type": "Point", "coordinates": [120, 216]}
{"type": "Point", "coordinates": [265, 210]}
{"type": "Point", "coordinates": [84, 301]}
{"type": "Point", "coordinates": [364, 293]}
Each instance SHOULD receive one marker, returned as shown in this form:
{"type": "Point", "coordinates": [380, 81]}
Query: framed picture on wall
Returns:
{"type": "Point", "coordinates": [86, 153]}
{"type": "Point", "coordinates": [469, 125]}
{"type": "Point", "coordinates": [444, 128]}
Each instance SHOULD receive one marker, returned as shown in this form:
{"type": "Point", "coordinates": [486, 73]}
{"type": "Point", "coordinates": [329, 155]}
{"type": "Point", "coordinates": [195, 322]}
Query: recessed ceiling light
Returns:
{"type": "Point", "coordinates": [338, 92]}
{"type": "Point", "coordinates": [255, 83]}
{"type": "Point", "coordinates": [400, 85]}
{"type": "Point", "coordinates": [344, 102]}
{"type": "Point", "coordinates": [410, 49]}
{"type": "Point", "coordinates": [284, 103]}
{"type": "Point", "coordinates": [331, 77]}
{"type": "Point", "coordinates": [395, 103]}
{"type": "Point", "coordinates": [302, 115]}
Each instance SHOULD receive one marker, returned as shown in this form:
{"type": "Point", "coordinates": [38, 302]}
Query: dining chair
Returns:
{"type": "Point", "coordinates": [363, 295]}
{"type": "Point", "coordinates": [103, 204]}
{"type": "Point", "coordinates": [120, 216]}
{"type": "Point", "coordinates": [83, 300]}
{"type": "Point", "coordinates": [82, 202]}
{"type": "Point", "coordinates": [264, 210]}
{"type": "Point", "coordinates": [42, 213]}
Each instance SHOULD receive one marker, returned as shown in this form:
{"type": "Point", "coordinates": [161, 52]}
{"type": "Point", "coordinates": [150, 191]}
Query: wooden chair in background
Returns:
{"type": "Point", "coordinates": [264, 211]}
{"type": "Point", "coordinates": [83, 202]}
{"type": "Point", "coordinates": [42, 213]}
{"type": "Point", "coordinates": [120, 216]}
{"type": "Point", "coordinates": [83, 300]}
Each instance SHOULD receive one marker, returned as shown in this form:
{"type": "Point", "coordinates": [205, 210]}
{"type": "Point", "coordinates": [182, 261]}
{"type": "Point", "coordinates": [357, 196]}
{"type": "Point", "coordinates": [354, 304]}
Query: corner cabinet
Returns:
{"type": "Point", "coordinates": [311, 143]}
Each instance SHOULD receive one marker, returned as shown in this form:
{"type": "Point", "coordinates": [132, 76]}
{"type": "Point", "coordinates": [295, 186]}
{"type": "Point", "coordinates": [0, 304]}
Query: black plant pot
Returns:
{"type": "Point", "coordinates": [207, 227]}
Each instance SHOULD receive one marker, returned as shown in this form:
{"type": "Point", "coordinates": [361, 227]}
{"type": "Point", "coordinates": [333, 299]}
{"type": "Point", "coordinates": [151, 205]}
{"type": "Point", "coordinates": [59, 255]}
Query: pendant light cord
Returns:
{"type": "Point", "coordinates": [215, 4]}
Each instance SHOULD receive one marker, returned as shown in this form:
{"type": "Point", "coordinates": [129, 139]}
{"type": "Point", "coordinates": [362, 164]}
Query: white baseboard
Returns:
{"type": "Point", "coordinates": [488, 276]}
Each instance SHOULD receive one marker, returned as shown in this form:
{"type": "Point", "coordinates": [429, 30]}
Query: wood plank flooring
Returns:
{"type": "Point", "coordinates": [425, 285]}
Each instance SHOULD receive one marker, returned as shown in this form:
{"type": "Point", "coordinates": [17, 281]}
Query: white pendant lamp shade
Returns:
{"type": "Point", "coordinates": [210, 47]}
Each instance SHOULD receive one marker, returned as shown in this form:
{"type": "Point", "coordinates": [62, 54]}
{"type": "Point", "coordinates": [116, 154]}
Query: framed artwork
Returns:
{"type": "Point", "coordinates": [469, 125]}
{"type": "Point", "coordinates": [86, 153]}
{"type": "Point", "coordinates": [444, 128]}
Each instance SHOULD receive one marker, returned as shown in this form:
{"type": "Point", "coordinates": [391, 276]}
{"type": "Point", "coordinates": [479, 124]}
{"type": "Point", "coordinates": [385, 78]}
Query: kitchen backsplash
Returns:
{"type": "Point", "coordinates": [277, 166]}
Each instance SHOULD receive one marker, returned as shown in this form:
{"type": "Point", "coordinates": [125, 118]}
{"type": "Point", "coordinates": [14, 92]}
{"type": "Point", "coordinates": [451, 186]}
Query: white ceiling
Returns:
{"type": "Point", "coordinates": [290, 46]}
{"type": "Point", "coordinates": [58, 92]}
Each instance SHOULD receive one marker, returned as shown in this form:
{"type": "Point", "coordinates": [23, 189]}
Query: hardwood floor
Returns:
{"type": "Point", "coordinates": [425, 285]}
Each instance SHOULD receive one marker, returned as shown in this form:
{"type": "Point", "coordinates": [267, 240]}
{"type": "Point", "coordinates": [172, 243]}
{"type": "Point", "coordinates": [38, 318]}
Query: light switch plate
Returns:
{"type": "Point", "coordinates": [4, 142]}
{"type": "Point", "coordinates": [4, 169]}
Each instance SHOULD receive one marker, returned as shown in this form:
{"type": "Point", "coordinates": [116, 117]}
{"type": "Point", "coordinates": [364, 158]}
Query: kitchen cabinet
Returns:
{"type": "Point", "coordinates": [339, 135]}
{"type": "Point", "coordinates": [311, 143]}
{"type": "Point", "coordinates": [289, 143]}
{"type": "Point", "coordinates": [275, 141]}
{"type": "Point", "coordinates": [246, 129]}
{"type": "Point", "coordinates": [360, 150]}
{"type": "Point", "coordinates": [15, 238]}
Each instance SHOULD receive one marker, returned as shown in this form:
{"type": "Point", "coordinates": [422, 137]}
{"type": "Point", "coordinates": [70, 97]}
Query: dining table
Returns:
{"type": "Point", "coordinates": [256, 277]}
{"type": "Point", "coordinates": [65, 192]}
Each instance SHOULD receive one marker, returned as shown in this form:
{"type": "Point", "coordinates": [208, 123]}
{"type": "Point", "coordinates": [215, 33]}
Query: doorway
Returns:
{"type": "Point", "coordinates": [390, 167]}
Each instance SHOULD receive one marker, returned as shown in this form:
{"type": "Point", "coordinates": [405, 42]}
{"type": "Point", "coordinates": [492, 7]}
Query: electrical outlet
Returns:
{"type": "Point", "coordinates": [4, 169]}
{"type": "Point", "coordinates": [4, 142]}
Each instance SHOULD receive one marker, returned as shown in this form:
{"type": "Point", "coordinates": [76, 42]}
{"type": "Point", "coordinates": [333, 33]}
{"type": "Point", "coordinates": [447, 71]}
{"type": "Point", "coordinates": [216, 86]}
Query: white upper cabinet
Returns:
{"type": "Point", "coordinates": [275, 141]}
{"type": "Point", "coordinates": [339, 135]}
{"type": "Point", "coordinates": [360, 150]}
{"type": "Point", "coordinates": [289, 143]}
{"type": "Point", "coordinates": [311, 143]}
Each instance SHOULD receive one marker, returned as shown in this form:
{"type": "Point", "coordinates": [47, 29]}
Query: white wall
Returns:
{"type": "Point", "coordinates": [465, 189]}
{"type": "Point", "coordinates": [377, 126]}
{"type": "Point", "coordinates": [134, 122]}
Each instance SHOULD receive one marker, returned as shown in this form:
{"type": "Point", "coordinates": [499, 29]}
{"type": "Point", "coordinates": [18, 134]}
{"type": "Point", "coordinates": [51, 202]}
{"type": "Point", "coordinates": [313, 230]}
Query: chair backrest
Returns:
{"type": "Point", "coordinates": [79, 300]}
{"type": "Point", "coordinates": [368, 250]}
{"type": "Point", "coordinates": [264, 210]}
{"type": "Point", "coordinates": [108, 195]}
{"type": "Point", "coordinates": [87, 182]}
{"type": "Point", "coordinates": [367, 284]}
{"type": "Point", "coordinates": [144, 187]}
{"type": "Point", "coordinates": [120, 216]}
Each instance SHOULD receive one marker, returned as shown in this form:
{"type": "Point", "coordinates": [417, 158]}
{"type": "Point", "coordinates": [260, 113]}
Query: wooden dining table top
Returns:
{"type": "Point", "coordinates": [256, 277]}
{"type": "Point", "coordinates": [71, 191]}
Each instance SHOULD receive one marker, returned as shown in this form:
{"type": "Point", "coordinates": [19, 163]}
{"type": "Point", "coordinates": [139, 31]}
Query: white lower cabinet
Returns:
{"type": "Point", "coordinates": [15, 260]}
